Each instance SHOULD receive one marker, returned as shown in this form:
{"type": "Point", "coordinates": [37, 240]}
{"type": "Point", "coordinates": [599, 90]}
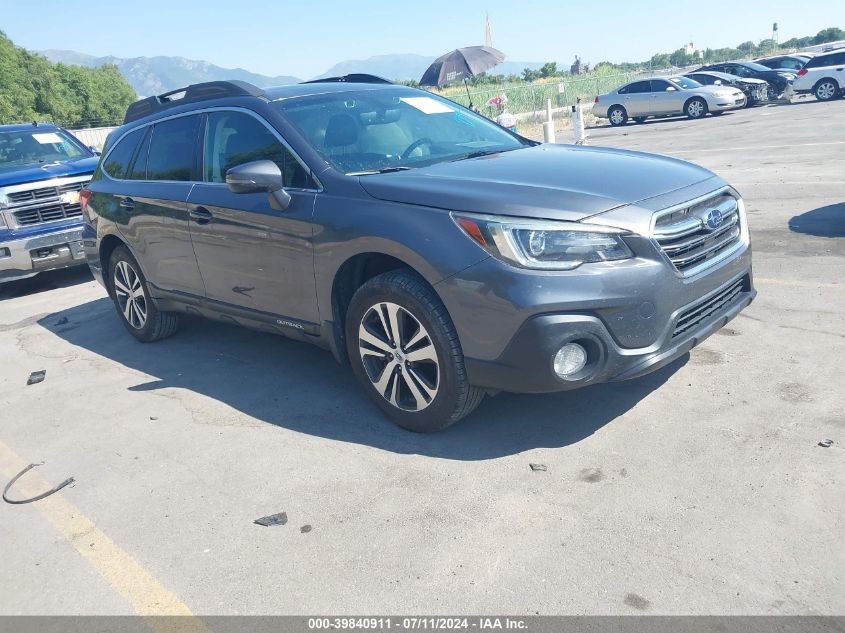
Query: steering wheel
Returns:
{"type": "Point", "coordinates": [418, 143]}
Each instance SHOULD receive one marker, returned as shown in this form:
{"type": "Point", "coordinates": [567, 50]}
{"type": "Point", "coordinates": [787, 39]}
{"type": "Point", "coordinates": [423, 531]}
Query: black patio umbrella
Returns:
{"type": "Point", "coordinates": [461, 64]}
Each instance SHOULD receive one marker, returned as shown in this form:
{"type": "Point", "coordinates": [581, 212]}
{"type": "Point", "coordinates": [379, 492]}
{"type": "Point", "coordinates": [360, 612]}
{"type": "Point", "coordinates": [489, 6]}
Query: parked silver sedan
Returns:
{"type": "Point", "coordinates": [665, 96]}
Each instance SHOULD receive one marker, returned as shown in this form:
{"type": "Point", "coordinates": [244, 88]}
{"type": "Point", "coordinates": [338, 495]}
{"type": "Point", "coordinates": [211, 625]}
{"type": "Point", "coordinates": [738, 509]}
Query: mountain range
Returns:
{"type": "Point", "coordinates": [155, 75]}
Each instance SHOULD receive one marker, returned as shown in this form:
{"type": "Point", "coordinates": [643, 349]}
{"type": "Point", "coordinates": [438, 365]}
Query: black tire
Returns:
{"type": "Point", "coordinates": [695, 108]}
{"type": "Point", "coordinates": [639, 119]}
{"type": "Point", "coordinates": [155, 324]}
{"type": "Point", "coordinates": [826, 89]}
{"type": "Point", "coordinates": [420, 310]}
{"type": "Point", "coordinates": [617, 115]}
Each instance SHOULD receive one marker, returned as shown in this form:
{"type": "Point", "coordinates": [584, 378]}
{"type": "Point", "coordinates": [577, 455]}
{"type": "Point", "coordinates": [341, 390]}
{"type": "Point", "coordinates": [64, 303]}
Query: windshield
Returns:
{"type": "Point", "coordinates": [367, 131]}
{"type": "Point", "coordinates": [685, 82]}
{"type": "Point", "coordinates": [34, 147]}
{"type": "Point", "coordinates": [756, 67]}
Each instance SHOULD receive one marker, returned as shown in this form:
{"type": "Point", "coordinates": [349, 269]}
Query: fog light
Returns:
{"type": "Point", "coordinates": [569, 360]}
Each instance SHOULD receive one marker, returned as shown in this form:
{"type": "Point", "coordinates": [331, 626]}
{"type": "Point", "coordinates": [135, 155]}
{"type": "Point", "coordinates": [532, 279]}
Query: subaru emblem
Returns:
{"type": "Point", "coordinates": [713, 219]}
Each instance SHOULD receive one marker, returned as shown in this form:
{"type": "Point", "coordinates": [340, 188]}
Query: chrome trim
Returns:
{"type": "Point", "coordinates": [8, 208]}
{"type": "Point", "coordinates": [742, 242]}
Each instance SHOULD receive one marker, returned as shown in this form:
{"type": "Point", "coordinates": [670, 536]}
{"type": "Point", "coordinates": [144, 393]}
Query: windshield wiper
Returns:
{"type": "Point", "coordinates": [383, 170]}
{"type": "Point", "coordinates": [484, 152]}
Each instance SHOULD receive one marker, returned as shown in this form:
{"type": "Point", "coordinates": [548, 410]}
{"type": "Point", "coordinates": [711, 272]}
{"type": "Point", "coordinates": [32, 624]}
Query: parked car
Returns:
{"type": "Point", "coordinates": [665, 96]}
{"type": "Point", "coordinates": [824, 76]}
{"type": "Point", "coordinates": [780, 81]}
{"type": "Point", "coordinates": [439, 254]}
{"type": "Point", "coordinates": [42, 169]}
{"type": "Point", "coordinates": [793, 62]}
{"type": "Point", "coordinates": [756, 91]}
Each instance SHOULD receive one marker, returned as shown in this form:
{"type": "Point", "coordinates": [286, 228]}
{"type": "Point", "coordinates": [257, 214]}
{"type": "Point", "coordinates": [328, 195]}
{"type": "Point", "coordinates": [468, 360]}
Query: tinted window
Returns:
{"type": "Point", "coordinates": [171, 154]}
{"type": "Point", "coordinates": [119, 159]}
{"type": "Point", "coordinates": [637, 87]}
{"type": "Point", "coordinates": [658, 85]}
{"type": "Point", "coordinates": [826, 60]}
{"type": "Point", "coordinates": [235, 138]}
{"type": "Point", "coordinates": [707, 80]}
{"type": "Point", "coordinates": [139, 167]}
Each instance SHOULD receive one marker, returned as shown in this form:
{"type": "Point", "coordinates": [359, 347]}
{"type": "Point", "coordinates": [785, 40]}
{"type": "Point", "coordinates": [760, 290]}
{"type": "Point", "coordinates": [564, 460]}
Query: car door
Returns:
{"type": "Point", "coordinates": [636, 98]}
{"type": "Point", "coordinates": [150, 200]}
{"type": "Point", "coordinates": [665, 97]}
{"type": "Point", "coordinates": [255, 260]}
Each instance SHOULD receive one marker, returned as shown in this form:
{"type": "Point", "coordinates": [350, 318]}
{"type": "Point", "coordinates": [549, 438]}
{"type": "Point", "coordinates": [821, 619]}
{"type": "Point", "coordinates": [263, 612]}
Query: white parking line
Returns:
{"type": "Point", "coordinates": [739, 149]}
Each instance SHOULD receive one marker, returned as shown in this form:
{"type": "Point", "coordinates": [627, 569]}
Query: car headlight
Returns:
{"type": "Point", "coordinates": [543, 244]}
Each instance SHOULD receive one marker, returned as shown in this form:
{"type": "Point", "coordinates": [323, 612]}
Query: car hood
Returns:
{"type": "Point", "coordinates": [559, 182]}
{"type": "Point", "coordinates": [34, 173]}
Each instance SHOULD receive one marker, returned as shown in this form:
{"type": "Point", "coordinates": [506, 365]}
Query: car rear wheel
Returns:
{"type": "Point", "coordinates": [826, 90]}
{"type": "Point", "coordinates": [617, 116]}
{"type": "Point", "coordinates": [696, 108]}
{"type": "Point", "coordinates": [131, 296]}
{"type": "Point", "coordinates": [406, 355]}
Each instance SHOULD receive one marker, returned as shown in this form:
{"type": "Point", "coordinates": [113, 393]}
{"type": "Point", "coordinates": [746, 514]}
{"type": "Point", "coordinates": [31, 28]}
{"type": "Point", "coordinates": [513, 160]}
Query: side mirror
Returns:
{"type": "Point", "coordinates": [94, 150]}
{"type": "Point", "coordinates": [257, 177]}
{"type": "Point", "coordinates": [671, 89]}
{"type": "Point", "coordinates": [718, 82]}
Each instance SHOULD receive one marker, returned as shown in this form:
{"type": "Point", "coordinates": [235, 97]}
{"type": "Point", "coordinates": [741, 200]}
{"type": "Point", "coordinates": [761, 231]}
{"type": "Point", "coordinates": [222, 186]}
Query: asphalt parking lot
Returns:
{"type": "Point", "coordinates": [700, 489]}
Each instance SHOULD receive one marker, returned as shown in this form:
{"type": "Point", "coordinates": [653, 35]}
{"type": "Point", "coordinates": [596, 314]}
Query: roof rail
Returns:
{"type": "Point", "coordinates": [353, 78]}
{"type": "Point", "coordinates": [195, 92]}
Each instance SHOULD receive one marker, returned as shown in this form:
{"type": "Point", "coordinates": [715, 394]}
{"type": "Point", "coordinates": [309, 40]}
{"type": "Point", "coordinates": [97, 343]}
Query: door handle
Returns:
{"type": "Point", "coordinates": [127, 203]}
{"type": "Point", "coordinates": [201, 215]}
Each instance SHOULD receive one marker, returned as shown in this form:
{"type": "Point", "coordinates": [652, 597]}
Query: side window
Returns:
{"type": "Point", "coordinates": [171, 153]}
{"type": "Point", "coordinates": [139, 167]}
{"type": "Point", "coordinates": [624, 90]}
{"type": "Point", "coordinates": [658, 85]}
{"type": "Point", "coordinates": [739, 71]}
{"type": "Point", "coordinates": [235, 138]}
{"type": "Point", "coordinates": [638, 86]}
{"type": "Point", "coordinates": [118, 160]}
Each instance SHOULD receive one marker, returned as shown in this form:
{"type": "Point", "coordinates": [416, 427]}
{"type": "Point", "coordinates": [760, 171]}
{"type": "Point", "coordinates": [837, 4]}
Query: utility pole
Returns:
{"type": "Point", "coordinates": [488, 32]}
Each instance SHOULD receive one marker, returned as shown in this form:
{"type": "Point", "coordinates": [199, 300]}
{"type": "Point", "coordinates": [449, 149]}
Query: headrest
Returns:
{"type": "Point", "coordinates": [342, 130]}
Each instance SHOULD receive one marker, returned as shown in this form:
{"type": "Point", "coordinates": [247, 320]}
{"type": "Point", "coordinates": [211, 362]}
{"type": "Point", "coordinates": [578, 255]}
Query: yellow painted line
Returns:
{"type": "Point", "coordinates": [126, 576]}
{"type": "Point", "coordinates": [791, 282]}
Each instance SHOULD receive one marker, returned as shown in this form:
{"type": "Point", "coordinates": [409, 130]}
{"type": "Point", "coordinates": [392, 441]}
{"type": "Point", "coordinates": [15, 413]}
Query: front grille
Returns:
{"type": "Point", "coordinates": [690, 242]}
{"type": "Point", "coordinates": [47, 213]}
{"type": "Point", "coordinates": [44, 204]}
{"type": "Point", "coordinates": [699, 312]}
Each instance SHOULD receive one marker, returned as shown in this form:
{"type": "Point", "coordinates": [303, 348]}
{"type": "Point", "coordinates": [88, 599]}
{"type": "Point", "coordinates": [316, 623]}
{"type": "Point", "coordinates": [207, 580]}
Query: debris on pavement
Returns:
{"type": "Point", "coordinates": [538, 467]}
{"type": "Point", "coordinates": [66, 482]}
{"type": "Point", "coordinates": [826, 443]}
{"type": "Point", "coordinates": [274, 519]}
{"type": "Point", "coordinates": [305, 529]}
{"type": "Point", "coordinates": [36, 377]}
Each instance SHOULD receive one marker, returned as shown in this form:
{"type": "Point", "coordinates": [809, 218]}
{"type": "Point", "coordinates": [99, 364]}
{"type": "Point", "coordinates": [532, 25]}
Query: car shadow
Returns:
{"type": "Point", "coordinates": [299, 387]}
{"type": "Point", "coordinates": [826, 221]}
{"type": "Point", "coordinates": [43, 282]}
{"type": "Point", "coordinates": [662, 120]}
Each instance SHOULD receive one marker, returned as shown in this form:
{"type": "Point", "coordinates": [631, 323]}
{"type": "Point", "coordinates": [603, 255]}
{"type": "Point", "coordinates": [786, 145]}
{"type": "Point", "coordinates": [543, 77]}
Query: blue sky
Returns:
{"type": "Point", "coordinates": [278, 37]}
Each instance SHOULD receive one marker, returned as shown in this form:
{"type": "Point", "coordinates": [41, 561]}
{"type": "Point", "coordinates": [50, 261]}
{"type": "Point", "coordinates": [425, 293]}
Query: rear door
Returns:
{"type": "Point", "coordinates": [253, 257]}
{"type": "Point", "coordinates": [636, 99]}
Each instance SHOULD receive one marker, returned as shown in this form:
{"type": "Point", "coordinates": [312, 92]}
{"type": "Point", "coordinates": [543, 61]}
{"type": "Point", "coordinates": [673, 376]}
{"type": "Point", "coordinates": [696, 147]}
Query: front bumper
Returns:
{"type": "Point", "coordinates": [22, 257]}
{"type": "Point", "coordinates": [723, 105]}
{"type": "Point", "coordinates": [526, 366]}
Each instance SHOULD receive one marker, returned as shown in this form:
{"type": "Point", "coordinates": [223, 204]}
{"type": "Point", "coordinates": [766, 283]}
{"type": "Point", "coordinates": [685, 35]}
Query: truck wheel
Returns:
{"type": "Point", "coordinates": [826, 89]}
{"type": "Point", "coordinates": [617, 116]}
{"type": "Point", "coordinates": [131, 296]}
{"type": "Point", "coordinates": [406, 355]}
{"type": "Point", "coordinates": [696, 108]}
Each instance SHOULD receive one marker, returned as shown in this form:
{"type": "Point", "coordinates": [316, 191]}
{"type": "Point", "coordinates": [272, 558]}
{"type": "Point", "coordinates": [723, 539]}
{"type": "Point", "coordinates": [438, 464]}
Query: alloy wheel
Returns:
{"type": "Point", "coordinates": [399, 357]}
{"type": "Point", "coordinates": [695, 109]}
{"type": "Point", "coordinates": [826, 91]}
{"type": "Point", "coordinates": [616, 117]}
{"type": "Point", "coordinates": [130, 295]}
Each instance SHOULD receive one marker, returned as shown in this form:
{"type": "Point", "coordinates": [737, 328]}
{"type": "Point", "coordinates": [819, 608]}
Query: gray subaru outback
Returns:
{"type": "Point", "coordinates": [441, 256]}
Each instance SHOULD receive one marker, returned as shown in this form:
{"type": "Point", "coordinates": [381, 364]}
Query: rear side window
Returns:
{"type": "Point", "coordinates": [119, 159]}
{"type": "Point", "coordinates": [826, 60]}
{"type": "Point", "coordinates": [636, 87]}
{"type": "Point", "coordinates": [171, 153]}
{"type": "Point", "coordinates": [139, 167]}
{"type": "Point", "coordinates": [235, 138]}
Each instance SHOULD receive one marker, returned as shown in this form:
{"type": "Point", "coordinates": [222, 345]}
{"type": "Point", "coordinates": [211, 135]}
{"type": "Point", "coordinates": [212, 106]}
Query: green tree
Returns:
{"type": "Point", "coordinates": [830, 34]}
{"type": "Point", "coordinates": [549, 69]}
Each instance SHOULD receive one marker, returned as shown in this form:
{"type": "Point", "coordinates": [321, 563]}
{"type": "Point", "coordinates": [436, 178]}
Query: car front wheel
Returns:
{"type": "Point", "coordinates": [131, 296]}
{"type": "Point", "coordinates": [696, 108]}
{"type": "Point", "coordinates": [405, 353]}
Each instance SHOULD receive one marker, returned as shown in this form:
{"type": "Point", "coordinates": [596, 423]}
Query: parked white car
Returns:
{"type": "Point", "coordinates": [665, 96]}
{"type": "Point", "coordinates": [824, 76]}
